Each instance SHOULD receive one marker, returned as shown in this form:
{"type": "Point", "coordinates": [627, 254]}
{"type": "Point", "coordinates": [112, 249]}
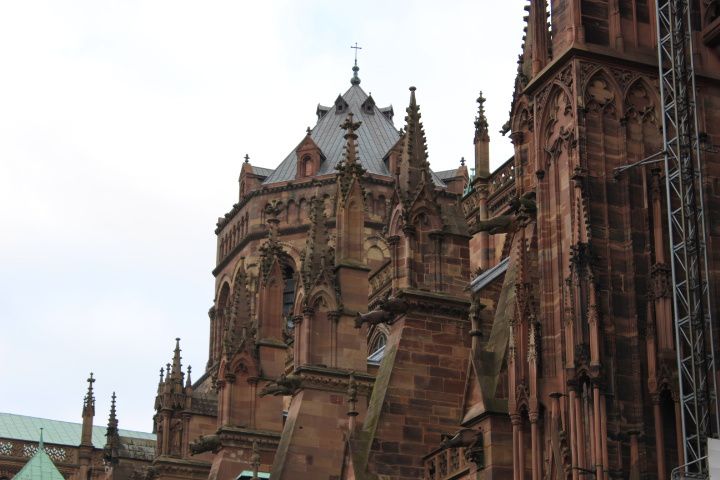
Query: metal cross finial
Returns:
{"type": "Point", "coordinates": [247, 158]}
{"type": "Point", "coordinates": [356, 51]}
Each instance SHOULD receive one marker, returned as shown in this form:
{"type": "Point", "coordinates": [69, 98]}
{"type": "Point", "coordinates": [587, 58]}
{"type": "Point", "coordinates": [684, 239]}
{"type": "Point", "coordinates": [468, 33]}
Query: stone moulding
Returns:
{"type": "Point", "coordinates": [330, 379]}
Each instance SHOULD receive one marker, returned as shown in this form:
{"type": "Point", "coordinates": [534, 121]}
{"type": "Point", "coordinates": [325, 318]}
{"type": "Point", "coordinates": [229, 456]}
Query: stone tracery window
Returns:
{"type": "Point", "coordinates": [377, 349]}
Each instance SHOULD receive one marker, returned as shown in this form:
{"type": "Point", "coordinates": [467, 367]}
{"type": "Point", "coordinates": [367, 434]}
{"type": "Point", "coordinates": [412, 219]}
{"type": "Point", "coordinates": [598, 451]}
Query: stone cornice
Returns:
{"type": "Point", "coordinates": [244, 437]}
{"type": "Point", "coordinates": [279, 187]}
{"type": "Point", "coordinates": [334, 380]}
{"type": "Point", "coordinates": [435, 303]}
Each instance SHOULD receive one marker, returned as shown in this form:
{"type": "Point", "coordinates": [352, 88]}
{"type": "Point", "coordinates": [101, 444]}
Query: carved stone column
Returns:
{"type": "Point", "coordinates": [659, 438]}
{"type": "Point", "coordinates": [535, 445]}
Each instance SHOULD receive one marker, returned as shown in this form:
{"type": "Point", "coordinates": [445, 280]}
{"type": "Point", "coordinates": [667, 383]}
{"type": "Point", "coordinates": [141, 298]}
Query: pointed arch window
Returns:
{"type": "Point", "coordinates": [377, 349]}
{"type": "Point", "coordinates": [307, 166]}
{"type": "Point", "coordinates": [288, 298]}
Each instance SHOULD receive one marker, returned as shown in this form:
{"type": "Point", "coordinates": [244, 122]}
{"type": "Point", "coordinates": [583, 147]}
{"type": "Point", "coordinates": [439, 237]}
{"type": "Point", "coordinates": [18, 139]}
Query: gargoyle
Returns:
{"type": "Point", "coordinates": [385, 312]}
{"type": "Point", "coordinates": [469, 439]}
{"type": "Point", "coordinates": [499, 224]}
{"type": "Point", "coordinates": [283, 385]}
{"type": "Point", "coordinates": [523, 209]}
{"type": "Point", "coordinates": [205, 443]}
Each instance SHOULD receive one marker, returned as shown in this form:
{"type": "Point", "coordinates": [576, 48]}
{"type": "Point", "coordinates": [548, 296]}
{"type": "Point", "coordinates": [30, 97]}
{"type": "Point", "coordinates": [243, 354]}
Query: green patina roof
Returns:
{"type": "Point", "coordinates": [39, 467]}
{"type": "Point", "coordinates": [20, 427]}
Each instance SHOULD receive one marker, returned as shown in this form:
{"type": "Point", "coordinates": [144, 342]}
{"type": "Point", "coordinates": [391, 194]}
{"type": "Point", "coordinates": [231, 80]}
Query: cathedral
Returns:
{"type": "Point", "coordinates": [375, 319]}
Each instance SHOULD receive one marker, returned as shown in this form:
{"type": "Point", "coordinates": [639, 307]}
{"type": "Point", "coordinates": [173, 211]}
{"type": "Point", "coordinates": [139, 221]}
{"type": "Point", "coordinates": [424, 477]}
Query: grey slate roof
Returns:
{"type": "Point", "coordinates": [446, 174]}
{"type": "Point", "coordinates": [376, 136]}
{"type": "Point", "coordinates": [263, 172]}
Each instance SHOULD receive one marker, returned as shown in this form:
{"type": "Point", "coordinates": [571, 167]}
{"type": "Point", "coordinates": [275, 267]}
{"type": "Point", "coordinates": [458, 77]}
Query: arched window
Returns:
{"type": "Point", "coordinates": [377, 349]}
{"type": "Point", "coordinates": [307, 167]}
{"type": "Point", "coordinates": [288, 289]}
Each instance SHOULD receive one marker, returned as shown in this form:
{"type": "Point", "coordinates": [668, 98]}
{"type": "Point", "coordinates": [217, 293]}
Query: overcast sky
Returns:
{"type": "Point", "coordinates": [122, 130]}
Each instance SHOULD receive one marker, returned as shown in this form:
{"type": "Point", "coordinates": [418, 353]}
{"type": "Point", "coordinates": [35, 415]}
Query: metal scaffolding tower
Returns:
{"type": "Point", "coordinates": [686, 225]}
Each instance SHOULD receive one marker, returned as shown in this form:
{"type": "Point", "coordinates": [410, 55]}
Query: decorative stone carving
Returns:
{"type": "Point", "coordinates": [283, 385]}
{"type": "Point", "coordinates": [469, 439]}
{"type": "Point", "coordinates": [385, 312]}
{"type": "Point", "coordinates": [639, 105]}
{"type": "Point", "coordinates": [205, 443]}
{"type": "Point", "coordinates": [599, 98]}
{"type": "Point", "coordinates": [523, 211]}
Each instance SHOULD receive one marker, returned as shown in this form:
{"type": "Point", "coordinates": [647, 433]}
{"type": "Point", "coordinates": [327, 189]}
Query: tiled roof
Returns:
{"type": "Point", "coordinates": [263, 172]}
{"type": "Point", "coordinates": [21, 427]}
{"type": "Point", "coordinates": [376, 136]}
{"type": "Point", "coordinates": [39, 467]}
{"type": "Point", "coordinates": [446, 174]}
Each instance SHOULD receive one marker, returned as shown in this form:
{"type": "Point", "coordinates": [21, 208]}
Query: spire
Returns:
{"type": "Point", "coordinates": [482, 141]}
{"type": "Point", "coordinates": [414, 166]}
{"type": "Point", "coordinates": [355, 80]}
{"type": "Point", "coordinates": [41, 443]}
{"type": "Point", "coordinates": [481, 123]}
{"type": "Point", "coordinates": [89, 400]}
{"type": "Point", "coordinates": [350, 154]}
{"type": "Point", "coordinates": [112, 419]}
{"type": "Point", "coordinates": [113, 437]}
{"type": "Point", "coordinates": [176, 372]}
{"type": "Point", "coordinates": [89, 397]}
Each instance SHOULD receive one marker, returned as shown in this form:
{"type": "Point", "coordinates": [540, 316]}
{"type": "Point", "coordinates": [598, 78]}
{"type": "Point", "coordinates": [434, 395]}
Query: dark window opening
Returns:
{"type": "Point", "coordinates": [595, 21]}
{"type": "Point", "coordinates": [377, 349]}
{"type": "Point", "coordinates": [288, 298]}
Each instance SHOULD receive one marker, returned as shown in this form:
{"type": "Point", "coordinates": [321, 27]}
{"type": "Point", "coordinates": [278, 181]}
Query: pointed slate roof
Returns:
{"type": "Point", "coordinates": [40, 466]}
{"type": "Point", "coordinates": [376, 137]}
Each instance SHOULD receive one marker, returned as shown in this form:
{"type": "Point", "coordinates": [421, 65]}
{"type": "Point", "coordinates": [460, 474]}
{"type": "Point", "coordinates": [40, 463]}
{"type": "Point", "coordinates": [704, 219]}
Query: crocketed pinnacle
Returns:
{"type": "Point", "coordinates": [112, 419]}
{"type": "Point", "coordinates": [89, 400]}
{"type": "Point", "coordinates": [481, 123]}
{"type": "Point", "coordinates": [414, 166]}
{"type": "Point", "coordinates": [351, 139]}
{"type": "Point", "coordinates": [317, 255]}
{"type": "Point", "coordinates": [176, 372]}
{"type": "Point", "coordinates": [188, 383]}
{"type": "Point", "coordinates": [112, 442]}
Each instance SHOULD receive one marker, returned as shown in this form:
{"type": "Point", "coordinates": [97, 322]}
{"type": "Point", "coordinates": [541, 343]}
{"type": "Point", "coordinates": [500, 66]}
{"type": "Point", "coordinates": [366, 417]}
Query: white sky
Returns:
{"type": "Point", "coordinates": [122, 130]}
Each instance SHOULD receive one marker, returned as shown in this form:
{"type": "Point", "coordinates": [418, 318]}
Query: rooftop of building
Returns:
{"type": "Point", "coordinates": [376, 136]}
{"type": "Point", "coordinates": [57, 432]}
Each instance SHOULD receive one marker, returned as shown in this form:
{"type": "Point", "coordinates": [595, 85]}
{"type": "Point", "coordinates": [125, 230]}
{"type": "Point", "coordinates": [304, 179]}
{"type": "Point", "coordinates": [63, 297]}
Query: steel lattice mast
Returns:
{"type": "Point", "coordinates": [686, 225]}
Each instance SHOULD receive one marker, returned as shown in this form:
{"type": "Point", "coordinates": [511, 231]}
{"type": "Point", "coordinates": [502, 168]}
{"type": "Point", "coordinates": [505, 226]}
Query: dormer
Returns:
{"type": "Point", "coordinates": [392, 159]}
{"type": "Point", "coordinates": [368, 106]}
{"type": "Point", "coordinates": [321, 111]}
{"type": "Point", "coordinates": [309, 158]}
{"type": "Point", "coordinates": [388, 112]}
{"type": "Point", "coordinates": [341, 106]}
